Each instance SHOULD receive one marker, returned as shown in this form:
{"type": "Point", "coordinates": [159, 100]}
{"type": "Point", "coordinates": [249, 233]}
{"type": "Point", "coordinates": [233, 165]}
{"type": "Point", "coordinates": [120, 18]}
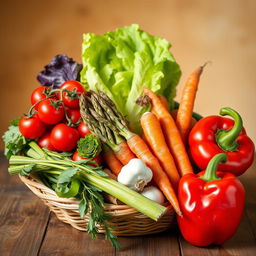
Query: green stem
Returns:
{"type": "Point", "coordinates": [226, 139]}
{"type": "Point", "coordinates": [127, 196]}
{"type": "Point", "coordinates": [210, 173]}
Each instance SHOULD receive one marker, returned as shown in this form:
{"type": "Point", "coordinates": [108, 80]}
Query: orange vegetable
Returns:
{"type": "Point", "coordinates": [141, 150]}
{"type": "Point", "coordinates": [171, 133]}
{"type": "Point", "coordinates": [111, 161]}
{"type": "Point", "coordinates": [185, 110]}
{"type": "Point", "coordinates": [155, 138]}
{"type": "Point", "coordinates": [174, 115]}
{"type": "Point", "coordinates": [124, 154]}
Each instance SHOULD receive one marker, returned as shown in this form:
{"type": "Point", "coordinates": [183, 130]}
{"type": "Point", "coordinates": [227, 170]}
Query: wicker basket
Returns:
{"type": "Point", "coordinates": [126, 220]}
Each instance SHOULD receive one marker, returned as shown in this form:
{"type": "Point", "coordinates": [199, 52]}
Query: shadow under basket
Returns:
{"type": "Point", "coordinates": [126, 220]}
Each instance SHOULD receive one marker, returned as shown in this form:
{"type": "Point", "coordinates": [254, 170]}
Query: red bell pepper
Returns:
{"type": "Point", "coordinates": [216, 134]}
{"type": "Point", "coordinates": [212, 205]}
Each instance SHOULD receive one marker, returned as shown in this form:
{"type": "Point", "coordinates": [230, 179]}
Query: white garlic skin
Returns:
{"type": "Point", "coordinates": [135, 175]}
{"type": "Point", "coordinates": [154, 194]}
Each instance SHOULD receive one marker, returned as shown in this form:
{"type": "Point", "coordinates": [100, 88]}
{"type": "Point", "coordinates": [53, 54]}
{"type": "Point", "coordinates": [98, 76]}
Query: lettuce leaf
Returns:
{"type": "Point", "coordinates": [122, 62]}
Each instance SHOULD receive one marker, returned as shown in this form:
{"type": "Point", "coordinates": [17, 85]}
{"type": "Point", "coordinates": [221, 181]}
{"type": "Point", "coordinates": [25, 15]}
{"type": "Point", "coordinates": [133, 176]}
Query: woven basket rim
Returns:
{"type": "Point", "coordinates": [49, 194]}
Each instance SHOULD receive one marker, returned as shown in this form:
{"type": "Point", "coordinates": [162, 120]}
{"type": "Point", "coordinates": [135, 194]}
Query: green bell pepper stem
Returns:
{"type": "Point", "coordinates": [210, 173]}
{"type": "Point", "coordinates": [226, 139]}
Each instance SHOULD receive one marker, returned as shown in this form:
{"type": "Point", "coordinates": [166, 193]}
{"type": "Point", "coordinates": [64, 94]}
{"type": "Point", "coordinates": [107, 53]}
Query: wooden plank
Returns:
{"type": "Point", "coordinates": [23, 220]}
{"type": "Point", "coordinates": [249, 181]}
{"type": "Point", "coordinates": [62, 239]}
{"type": "Point", "coordinates": [162, 244]}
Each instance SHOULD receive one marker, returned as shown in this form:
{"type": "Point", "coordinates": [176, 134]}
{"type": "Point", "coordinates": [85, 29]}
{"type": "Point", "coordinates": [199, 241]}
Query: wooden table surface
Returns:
{"type": "Point", "coordinates": [28, 228]}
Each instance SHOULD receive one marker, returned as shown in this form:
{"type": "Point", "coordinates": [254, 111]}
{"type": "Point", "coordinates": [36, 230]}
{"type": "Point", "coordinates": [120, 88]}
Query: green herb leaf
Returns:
{"type": "Point", "coordinates": [89, 146]}
{"type": "Point", "coordinates": [67, 175]}
{"type": "Point", "coordinates": [15, 122]}
{"type": "Point", "coordinates": [15, 143]}
{"type": "Point", "coordinates": [25, 171]}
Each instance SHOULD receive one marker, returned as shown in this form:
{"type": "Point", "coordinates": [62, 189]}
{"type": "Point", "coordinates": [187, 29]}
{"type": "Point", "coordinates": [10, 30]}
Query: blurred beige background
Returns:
{"type": "Point", "coordinates": [32, 32]}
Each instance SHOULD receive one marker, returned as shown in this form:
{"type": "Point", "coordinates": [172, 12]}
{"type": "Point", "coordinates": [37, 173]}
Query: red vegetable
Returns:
{"type": "Point", "coordinates": [71, 96]}
{"type": "Point", "coordinates": [50, 111]}
{"type": "Point", "coordinates": [44, 142]}
{"type": "Point", "coordinates": [32, 127]}
{"type": "Point", "coordinates": [38, 94]}
{"type": "Point", "coordinates": [77, 157]}
{"type": "Point", "coordinates": [212, 205]}
{"type": "Point", "coordinates": [73, 114]}
{"type": "Point", "coordinates": [215, 134]}
{"type": "Point", "coordinates": [83, 129]}
{"type": "Point", "coordinates": [64, 138]}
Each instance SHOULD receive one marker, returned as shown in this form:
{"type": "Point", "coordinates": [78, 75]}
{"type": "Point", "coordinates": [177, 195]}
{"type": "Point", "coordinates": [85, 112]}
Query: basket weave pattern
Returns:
{"type": "Point", "coordinates": [126, 220]}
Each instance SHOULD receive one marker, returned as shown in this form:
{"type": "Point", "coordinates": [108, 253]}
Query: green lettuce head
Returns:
{"type": "Point", "coordinates": [122, 62]}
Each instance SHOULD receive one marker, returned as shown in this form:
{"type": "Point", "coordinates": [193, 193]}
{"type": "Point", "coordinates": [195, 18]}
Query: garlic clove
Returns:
{"type": "Point", "coordinates": [154, 194]}
{"type": "Point", "coordinates": [135, 175]}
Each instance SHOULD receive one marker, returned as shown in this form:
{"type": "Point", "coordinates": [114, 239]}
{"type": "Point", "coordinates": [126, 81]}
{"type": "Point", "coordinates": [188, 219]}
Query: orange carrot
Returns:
{"type": "Point", "coordinates": [124, 154]}
{"type": "Point", "coordinates": [185, 110]}
{"type": "Point", "coordinates": [174, 115]}
{"type": "Point", "coordinates": [171, 133]}
{"type": "Point", "coordinates": [155, 138]}
{"type": "Point", "coordinates": [164, 102]}
{"type": "Point", "coordinates": [141, 150]}
{"type": "Point", "coordinates": [111, 161]}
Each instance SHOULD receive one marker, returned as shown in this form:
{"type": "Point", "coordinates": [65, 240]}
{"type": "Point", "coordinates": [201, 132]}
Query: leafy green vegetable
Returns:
{"type": "Point", "coordinates": [14, 142]}
{"type": "Point", "coordinates": [122, 62]}
{"type": "Point", "coordinates": [89, 146]}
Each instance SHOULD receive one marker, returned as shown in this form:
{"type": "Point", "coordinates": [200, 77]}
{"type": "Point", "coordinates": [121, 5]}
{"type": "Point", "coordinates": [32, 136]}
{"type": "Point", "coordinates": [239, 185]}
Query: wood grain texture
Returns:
{"type": "Point", "coordinates": [63, 240]}
{"type": "Point", "coordinates": [159, 244]}
{"type": "Point", "coordinates": [23, 220]}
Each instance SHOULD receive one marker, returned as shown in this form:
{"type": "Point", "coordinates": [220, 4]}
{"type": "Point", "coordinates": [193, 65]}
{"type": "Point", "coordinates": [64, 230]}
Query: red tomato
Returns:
{"type": "Point", "coordinates": [49, 113]}
{"type": "Point", "coordinates": [83, 129]}
{"type": "Point", "coordinates": [72, 86]}
{"type": "Point", "coordinates": [64, 138]}
{"type": "Point", "coordinates": [73, 114]}
{"type": "Point", "coordinates": [44, 142]}
{"type": "Point", "coordinates": [97, 159]}
{"type": "Point", "coordinates": [38, 94]}
{"type": "Point", "coordinates": [32, 127]}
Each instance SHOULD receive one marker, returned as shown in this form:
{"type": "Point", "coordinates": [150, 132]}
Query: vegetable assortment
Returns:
{"type": "Point", "coordinates": [111, 125]}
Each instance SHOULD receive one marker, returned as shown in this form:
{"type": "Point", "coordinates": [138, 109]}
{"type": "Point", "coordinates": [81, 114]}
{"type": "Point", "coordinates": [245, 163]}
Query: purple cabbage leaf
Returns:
{"type": "Point", "coordinates": [59, 70]}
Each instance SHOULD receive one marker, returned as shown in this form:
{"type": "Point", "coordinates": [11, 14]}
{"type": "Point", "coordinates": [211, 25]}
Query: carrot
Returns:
{"type": "Point", "coordinates": [164, 102]}
{"type": "Point", "coordinates": [111, 161]}
{"type": "Point", "coordinates": [185, 110]}
{"type": "Point", "coordinates": [171, 133]}
{"type": "Point", "coordinates": [141, 150]}
{"type": "Point", "coordinates": [155, 138]}
{"type": "Point", "coordinates": [193, 120]}
{"type": "Point", "coordinates": [124, 154]}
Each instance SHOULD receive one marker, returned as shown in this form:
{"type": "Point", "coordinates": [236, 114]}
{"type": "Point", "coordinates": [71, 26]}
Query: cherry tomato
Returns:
{"type": "Point", "coordinates": [50, 111]}
{"type": "Point", "coordinates": [64, 138]}
{"type": "Point", "coordinates": [83, 129]}
{"type": "Point", "coordinates": [72, 86]}
{"type": "Point", "coordinates": [44, 142]}
{"type": "Point", "coordinates": [97, 159]}
{"type": "Point", "coordinates": [38, 94]}
{"type": "Point", "coordinates": [73, 114]}
{"type": "Point", "coordinates": [32, 127]}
